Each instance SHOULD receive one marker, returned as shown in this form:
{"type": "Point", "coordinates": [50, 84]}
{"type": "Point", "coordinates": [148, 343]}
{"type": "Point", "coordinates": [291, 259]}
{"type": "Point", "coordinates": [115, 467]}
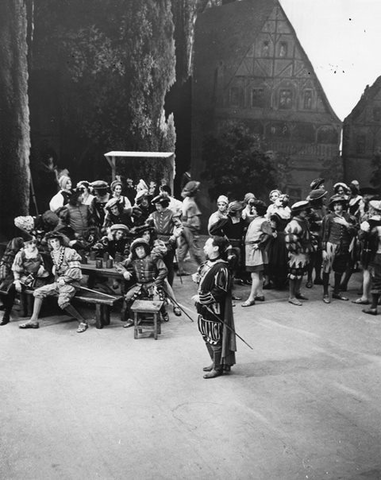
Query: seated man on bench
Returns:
{"type": "Point", "coordinates": [67, 274]}
{"type": "Point", "coordinates": [149, 273]}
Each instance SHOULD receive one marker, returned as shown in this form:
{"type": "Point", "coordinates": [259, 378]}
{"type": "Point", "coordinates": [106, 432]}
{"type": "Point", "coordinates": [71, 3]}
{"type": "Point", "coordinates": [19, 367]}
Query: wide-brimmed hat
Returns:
{"type": "Point", "coordinates": [190, 188]}
{"type": "Point", "coordinates": [56, 234]}
{"type": "Point", "coordinates": [376, 205]}
{"type": "Point", "coordinates": [338, 199]}
{"type": "Point", "coordinates": [316, 183]}
{"type": "Point", "coordinates": [316, 194]}
{"type": "Point", "coordinates": [162, 198]}
{"type": "Point", "coordinates": [300, 206]}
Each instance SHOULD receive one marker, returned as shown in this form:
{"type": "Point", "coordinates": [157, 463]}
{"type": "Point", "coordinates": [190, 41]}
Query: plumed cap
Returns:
{"type": "Point", "coordinates": [25, 223]}
{"type": "Point", "coordinates": [141, 195]}
{"type": "Point", "coordinates": [142, 185]}
{"type": "Point", "coordinates": [162, 198]}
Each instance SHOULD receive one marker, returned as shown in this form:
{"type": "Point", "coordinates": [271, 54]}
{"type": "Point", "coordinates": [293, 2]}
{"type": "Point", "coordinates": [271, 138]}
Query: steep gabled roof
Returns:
{"type": "Point", "coordinates": [225, 34]}
{"type": "Point", "coordinates": [367, 97]}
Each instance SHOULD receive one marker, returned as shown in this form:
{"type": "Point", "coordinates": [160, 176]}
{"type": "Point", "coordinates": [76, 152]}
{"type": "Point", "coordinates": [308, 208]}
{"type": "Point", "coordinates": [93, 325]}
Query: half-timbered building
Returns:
{"type": "Point", "coordinates": [249, 66]}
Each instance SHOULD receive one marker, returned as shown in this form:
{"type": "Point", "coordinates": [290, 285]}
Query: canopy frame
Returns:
{"type": "Point", "coordinates": [113, 156]}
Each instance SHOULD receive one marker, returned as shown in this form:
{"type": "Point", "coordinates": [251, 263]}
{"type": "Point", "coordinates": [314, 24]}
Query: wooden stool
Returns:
{"type": "Point", "coordinates": [147, 316]}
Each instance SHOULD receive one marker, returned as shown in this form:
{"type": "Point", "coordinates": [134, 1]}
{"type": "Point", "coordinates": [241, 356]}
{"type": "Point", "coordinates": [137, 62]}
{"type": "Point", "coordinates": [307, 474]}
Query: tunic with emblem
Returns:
{"type": "Point", "coordinates": [215, 308]}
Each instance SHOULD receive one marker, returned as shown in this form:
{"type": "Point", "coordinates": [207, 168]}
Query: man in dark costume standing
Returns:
{"type": "Point", "coordinates": [214, 307]}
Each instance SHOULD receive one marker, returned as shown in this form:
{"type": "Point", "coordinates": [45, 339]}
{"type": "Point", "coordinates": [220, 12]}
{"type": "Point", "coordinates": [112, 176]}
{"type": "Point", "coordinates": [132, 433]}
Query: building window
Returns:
{"type": "Point", "coordinates": [266, 49]}
{"type": "Point", "coordinates": [307, 100]}
{"type": "Point", "coordinates": [283, 47]}
{"type": "Point", "coordinates": [360, 144]}
{"type": "Point", "coordinates": [235, 96]}
{"type": "Point", "coordinates": [285, 99]}
{"type": "Point", "coordinates": [257, 97]}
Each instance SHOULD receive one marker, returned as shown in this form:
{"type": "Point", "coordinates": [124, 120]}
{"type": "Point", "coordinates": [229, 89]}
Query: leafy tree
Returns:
{"type": "Point", "coordinates": [235, 163]}
{"type": "Point", "coordinates": [116, 61]}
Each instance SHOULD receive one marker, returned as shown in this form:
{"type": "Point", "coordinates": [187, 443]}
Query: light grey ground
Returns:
{"type": "Point", "coordinates": [303, 404]}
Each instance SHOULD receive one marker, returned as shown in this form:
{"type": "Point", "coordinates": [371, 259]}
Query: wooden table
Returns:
{"type": "Point", "coordinates": [90, 268]}
{"type": "Point", "coordinates": [92, 271]}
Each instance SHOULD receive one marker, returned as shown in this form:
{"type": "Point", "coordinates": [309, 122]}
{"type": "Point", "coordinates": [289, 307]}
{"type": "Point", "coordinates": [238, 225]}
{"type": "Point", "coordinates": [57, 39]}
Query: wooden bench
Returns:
{"type": "Point", "coordinates": [146, 316]}
{"type": "Point", "coordinates": [102, 301]}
